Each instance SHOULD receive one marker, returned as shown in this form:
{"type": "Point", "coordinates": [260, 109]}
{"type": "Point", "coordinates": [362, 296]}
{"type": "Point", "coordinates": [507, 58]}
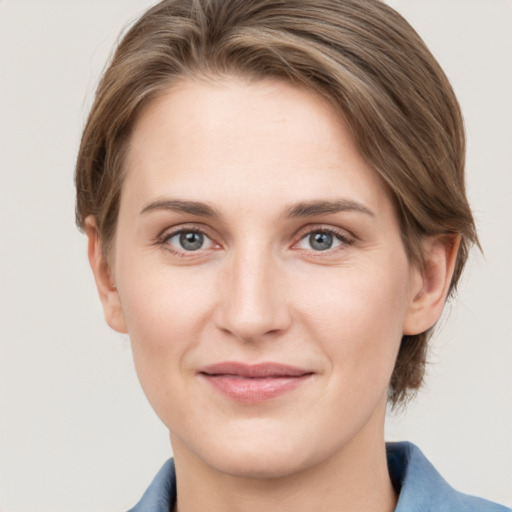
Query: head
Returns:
{"type": "Point", "coordinates": [362, 57]}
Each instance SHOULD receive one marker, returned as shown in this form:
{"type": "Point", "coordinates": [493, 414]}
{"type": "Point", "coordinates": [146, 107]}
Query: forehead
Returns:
{"type": "Point", "coordinates": [221, 138]}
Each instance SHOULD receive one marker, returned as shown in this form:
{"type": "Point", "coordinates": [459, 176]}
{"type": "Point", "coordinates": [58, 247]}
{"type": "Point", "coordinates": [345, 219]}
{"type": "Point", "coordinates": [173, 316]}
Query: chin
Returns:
{"type": "Point", "coordinates": [262, 454]}
{"type": "Point", "coordinates": [260, 465]}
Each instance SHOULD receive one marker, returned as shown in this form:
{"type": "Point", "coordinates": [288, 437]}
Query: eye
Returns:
{"type": "Point", "coordinates": [188, 240]}
{"type": "Point", "coordinates": [322, 240]}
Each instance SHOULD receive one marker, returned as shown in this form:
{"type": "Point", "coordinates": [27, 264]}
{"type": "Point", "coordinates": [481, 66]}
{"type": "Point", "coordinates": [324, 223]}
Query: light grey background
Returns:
{"type": "Point", "coordinates": [76, 433]}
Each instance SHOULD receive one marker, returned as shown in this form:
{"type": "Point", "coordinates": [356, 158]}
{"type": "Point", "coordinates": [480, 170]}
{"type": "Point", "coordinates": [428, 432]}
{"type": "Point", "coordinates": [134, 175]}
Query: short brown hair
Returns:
{"type": "Point", "coordinates": [359, 54]}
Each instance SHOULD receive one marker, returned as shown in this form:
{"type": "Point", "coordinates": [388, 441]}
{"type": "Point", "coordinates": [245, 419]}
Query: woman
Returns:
{"type": "Point", "coordinates": [273, 194]}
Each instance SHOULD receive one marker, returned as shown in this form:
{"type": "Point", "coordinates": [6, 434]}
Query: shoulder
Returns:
{"type": "Point", "coordinates": [422, 488]}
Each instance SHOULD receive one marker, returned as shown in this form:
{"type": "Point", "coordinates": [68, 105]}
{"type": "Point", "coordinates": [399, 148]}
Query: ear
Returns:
{"type": "Point", "coordinates": [103, 276]}
{"type": "Point", "coordinates": [430, 284]}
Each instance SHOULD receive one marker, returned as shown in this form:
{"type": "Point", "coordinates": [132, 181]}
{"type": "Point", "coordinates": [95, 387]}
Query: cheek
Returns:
{"type": "Point", "coordinates": [165, 312]}
{"type": "Point", "coordinates": [165, 315]}
{"type": "Point", "coordinates": [357, 318]}
{"type": "Point", "coordinates": [160, 299]}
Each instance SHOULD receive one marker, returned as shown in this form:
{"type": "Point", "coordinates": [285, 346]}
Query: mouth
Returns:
{"type": "Point", "coordinates": [253, 383]}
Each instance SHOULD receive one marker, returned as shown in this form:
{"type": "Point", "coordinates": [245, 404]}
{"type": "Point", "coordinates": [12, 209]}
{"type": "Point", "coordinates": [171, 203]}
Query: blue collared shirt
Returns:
{"type": "Point", "coordinates": [421, 488]}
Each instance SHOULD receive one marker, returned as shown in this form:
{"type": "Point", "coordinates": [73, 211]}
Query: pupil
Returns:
{"type": "Point", "coordinates": [191, 241]}
{"type": "Point", "coordinates": [320, 241]}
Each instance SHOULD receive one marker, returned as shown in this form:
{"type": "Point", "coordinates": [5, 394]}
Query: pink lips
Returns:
{"type": "Point", "coordinates": [253, 383]}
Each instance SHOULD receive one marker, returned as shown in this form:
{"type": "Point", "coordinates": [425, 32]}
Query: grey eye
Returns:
{"type": "Point", "coordinates": [320, 241]}
{"type": "Point", "coordinates": [189, 241]}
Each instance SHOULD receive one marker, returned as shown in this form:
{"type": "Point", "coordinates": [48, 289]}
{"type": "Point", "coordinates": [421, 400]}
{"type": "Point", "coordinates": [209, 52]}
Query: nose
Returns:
{"type": "Point", "coordinates": [253, 303]}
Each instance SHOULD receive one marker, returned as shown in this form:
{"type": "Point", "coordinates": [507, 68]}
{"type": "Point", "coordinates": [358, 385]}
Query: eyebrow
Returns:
{"type": "Point", "coordinates": [181, 206]}
{"type": "Point", "coordinates": [312, 208]}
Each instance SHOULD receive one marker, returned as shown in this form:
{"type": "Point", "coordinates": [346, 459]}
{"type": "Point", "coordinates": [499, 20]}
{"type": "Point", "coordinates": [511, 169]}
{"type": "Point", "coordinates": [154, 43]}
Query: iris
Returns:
{"type": "Point", "coordinates": [320, 240]}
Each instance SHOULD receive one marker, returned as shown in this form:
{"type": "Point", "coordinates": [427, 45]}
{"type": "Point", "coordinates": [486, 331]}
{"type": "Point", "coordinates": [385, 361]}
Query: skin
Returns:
{"type": "Point", "coordinates": [258, 290]}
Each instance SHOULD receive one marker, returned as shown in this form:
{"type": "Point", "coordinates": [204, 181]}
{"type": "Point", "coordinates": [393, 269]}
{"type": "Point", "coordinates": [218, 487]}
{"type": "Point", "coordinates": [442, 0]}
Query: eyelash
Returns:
{"type": "Point", "coordinates": [343, 237]}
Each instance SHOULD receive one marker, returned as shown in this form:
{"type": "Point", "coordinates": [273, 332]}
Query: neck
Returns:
{"type": "Point", "coordinates": [353, 478]}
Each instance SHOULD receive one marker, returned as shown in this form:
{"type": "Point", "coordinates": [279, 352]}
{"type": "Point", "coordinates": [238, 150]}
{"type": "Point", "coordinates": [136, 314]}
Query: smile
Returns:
{"type": "Point", "coordinates": [254, 383]}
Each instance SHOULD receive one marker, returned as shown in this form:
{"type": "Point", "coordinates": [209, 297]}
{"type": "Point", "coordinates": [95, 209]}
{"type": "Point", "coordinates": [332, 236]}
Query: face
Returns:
{"type": "Point", "coordinates": [261, 277]}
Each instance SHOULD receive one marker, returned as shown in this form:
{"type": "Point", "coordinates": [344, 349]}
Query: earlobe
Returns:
{"type": "Point", "coordinates": [105, 284]}
{"type": "Point", "coordinates": [430, 284]}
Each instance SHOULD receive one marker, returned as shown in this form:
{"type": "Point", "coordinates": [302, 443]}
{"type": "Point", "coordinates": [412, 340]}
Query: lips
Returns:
{"type": "Point", "coordinates": [253, 383]}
